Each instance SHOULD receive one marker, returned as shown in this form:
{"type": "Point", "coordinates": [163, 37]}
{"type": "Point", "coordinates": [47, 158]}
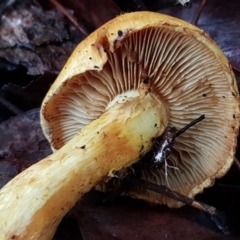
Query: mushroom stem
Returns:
{"type": "Point", "coordinates": [35, 201]}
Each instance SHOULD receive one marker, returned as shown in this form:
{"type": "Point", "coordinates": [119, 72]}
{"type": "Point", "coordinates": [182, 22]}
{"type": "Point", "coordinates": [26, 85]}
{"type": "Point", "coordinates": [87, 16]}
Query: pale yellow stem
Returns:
{"type": "Point", "coordinates": [34, 202]}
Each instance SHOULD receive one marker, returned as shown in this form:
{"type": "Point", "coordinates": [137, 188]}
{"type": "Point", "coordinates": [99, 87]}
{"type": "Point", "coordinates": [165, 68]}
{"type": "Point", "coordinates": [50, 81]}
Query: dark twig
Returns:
{"type": "Point", "coordinates": [69, 16]}
{"type": "Point", "coordinates": [164, 144]}
{"type": "Point", "coordinates": [184, 129]}
{"type": "Point", "coordinates": [172, 194]}
{"type": "Point", "coordinates": [200, 9]}
{"type": "Point", "coordinates": [220, 219]}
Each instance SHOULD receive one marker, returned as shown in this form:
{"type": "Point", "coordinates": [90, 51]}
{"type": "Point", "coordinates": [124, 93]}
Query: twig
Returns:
{"type": "Point", "coordinates": [194, 122]}
{"type": "Point", "coordinates": [200, 9]}
{"type": "Point", "coordinates": [172, 194]}
{"type": "Point", "coordinates": [219, 219]}
{"type": "Point", "coordinates": [69, 16]}
{"type": "Point", "coordinates": [164, 144]}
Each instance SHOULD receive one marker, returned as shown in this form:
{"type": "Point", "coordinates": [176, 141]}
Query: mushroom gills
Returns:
{"type": "Point", "coordinates": [174, 60]}
{"type": "Point", "coordinates": [113, 141]}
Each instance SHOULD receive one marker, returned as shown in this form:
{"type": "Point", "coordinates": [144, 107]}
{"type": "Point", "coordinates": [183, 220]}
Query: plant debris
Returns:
{"type": "Point", "coordinates": [37, 40]}
{"type": "Point", "coordinates": [21, 144]}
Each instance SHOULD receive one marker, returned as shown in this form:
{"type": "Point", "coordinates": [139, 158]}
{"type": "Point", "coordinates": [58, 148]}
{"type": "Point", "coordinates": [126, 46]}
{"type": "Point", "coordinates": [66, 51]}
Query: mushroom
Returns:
{"type": "Point", "coordinates": [123, 86]}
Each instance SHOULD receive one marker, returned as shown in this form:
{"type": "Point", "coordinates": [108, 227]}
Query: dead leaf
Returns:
{"type": "Point", "coordinates": [91, 14]}
{"type": "Point", "coordinates": [133, 219]}
{"type": "Point", "coordinates": [22, 143]}
{"type": "Point", "coordinates": [221, 20]}
{"type": "Point", "coordinates": [31, 95]}
{"type": "Point", "coordinates": [38, 40]}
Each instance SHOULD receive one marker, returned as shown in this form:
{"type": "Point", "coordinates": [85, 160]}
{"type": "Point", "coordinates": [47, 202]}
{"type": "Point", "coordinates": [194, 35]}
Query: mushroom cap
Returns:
{"type": "Point", "coordinates": [187, 72]}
